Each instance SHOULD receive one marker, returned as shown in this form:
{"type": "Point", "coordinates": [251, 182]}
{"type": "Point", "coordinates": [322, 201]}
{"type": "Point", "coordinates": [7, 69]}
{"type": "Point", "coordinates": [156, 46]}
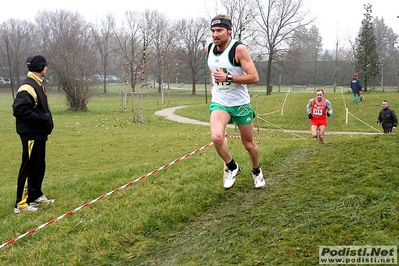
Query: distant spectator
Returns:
{"type": "Point", "coordinates": [387, 118]}
{"type": "Point", "coordinates": [356, 86]}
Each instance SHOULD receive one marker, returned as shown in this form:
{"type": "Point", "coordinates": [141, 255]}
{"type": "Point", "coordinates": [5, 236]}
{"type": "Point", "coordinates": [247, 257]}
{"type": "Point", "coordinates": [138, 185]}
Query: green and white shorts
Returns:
{"type": "Point", "coordinates": [241, 115]}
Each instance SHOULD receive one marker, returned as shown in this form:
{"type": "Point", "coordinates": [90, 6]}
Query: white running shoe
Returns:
{"type": "Point", "coordinates": [26, 209]}
{"type": "Point", "coordinates": [231, 177]}
{"type": "Point", "coordinates": [258, 180]}
{"type": "Point", "coordinates": [41, 199]}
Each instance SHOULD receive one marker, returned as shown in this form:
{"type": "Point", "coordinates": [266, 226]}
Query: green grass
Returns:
{"type": "Point", "coordinates": [344, 192]}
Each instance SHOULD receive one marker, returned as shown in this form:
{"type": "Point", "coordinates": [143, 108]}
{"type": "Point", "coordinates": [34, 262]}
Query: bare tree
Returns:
{"type": "Point", "coordinates": [103, 36]}
{"type": "Point", "coordinates": [277, 22]}
{"type": "Point", "coordinates": [241, 14]}
{"type": "Point", "coordinates": [189, 34]}
{"type": "Point", "coordinates": [16, 43]}
{"type": "Point", "coordinates": [132, 46]}
{"type": "Point", "coordinates": [304, 46]}
{"type": "Point", "coordinates": [70, 47]}
{"type": "Point", "coordinates": [159, 36]}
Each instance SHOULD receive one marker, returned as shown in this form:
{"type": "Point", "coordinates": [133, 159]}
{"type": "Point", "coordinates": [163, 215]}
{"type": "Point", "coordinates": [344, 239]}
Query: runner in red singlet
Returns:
{"type": "Point", "coordinates": [318, 109]}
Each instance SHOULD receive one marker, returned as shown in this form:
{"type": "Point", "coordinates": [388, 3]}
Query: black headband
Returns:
{"type": "Point", "coordinates": [221, 22]}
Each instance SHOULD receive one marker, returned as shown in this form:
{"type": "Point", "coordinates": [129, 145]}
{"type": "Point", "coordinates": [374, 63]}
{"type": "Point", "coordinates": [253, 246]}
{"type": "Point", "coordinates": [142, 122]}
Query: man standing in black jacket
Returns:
{"type": "Point", "coordinates": [387, 118]}
{"type": "Point", "coordinates": [34, 123]}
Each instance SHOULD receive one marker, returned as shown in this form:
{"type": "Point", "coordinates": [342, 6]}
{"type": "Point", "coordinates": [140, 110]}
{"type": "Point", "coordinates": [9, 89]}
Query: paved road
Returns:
{"type": "Point", "coordinates": [169, 113]}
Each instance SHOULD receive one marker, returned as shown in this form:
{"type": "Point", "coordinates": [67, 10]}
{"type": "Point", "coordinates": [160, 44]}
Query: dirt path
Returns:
{"type": "Point", "coordinates": [169, 113]}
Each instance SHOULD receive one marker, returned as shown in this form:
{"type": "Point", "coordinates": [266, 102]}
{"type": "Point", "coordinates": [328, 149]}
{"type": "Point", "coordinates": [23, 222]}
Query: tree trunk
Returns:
{"type": "Point", "coordinates": [269, 75]}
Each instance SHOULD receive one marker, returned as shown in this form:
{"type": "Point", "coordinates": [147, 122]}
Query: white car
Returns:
{"type": "Point", "coordinates": [4, 81]}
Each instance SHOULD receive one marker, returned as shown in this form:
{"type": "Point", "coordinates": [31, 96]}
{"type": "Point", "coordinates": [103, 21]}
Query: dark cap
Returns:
{"type": "Point", "coordinates": [36, 63]}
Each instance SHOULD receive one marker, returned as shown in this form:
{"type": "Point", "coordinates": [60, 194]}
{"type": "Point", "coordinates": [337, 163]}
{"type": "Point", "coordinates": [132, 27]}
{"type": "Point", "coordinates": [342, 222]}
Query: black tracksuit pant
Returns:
{"type": "Point", "coordinates": [31, 172]}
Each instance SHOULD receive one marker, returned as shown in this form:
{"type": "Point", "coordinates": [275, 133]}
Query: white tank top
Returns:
{"type": "Point", "coordinates": [227, 93]}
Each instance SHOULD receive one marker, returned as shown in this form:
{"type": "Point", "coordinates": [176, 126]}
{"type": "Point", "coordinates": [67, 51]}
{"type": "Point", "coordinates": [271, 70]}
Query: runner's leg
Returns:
{"type": "Point", "coordinates": [218, 122]}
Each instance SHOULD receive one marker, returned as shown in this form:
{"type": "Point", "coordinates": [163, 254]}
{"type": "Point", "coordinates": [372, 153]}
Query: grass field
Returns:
{"type": "Point", "coordinates": [344, 192]}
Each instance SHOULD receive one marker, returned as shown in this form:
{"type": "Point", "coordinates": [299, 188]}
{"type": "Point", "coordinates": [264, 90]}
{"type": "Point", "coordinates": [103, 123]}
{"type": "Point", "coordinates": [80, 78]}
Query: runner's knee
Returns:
{"type": "Point", "coordinates": [217, 139]}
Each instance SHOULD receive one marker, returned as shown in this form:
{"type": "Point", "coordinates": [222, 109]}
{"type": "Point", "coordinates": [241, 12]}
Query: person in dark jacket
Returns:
{"type": "Point", "coordinates": [356, 86]}
{"type": "Point", "coordinates": [387, 118]}
{"type": "Point", "coordinates": [34, 123]}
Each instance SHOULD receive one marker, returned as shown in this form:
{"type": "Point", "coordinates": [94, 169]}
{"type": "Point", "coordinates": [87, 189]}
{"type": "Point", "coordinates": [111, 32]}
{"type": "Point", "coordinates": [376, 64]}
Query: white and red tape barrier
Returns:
{"type": "Point", "coordinates": [103, 196]}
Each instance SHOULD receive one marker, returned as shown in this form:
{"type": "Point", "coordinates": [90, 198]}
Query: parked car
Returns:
{"type": "Point", "coordinates": [99, 78]}
{"type": "Point", "coordinates": [108, 78]}
{"type": "Point", "coordinates": [5, 81]}
{"type": "Point", "coordinates": [112, 79]}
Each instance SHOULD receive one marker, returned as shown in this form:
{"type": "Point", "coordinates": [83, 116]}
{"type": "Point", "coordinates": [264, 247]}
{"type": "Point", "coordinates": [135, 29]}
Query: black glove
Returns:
{"type": "Point", "coordinates": [328, 114]}
{"type": "Point", "coordinates": [310, 116]}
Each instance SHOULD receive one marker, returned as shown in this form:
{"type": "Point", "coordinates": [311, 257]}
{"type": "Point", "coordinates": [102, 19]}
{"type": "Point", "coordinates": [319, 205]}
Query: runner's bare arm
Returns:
{"type": "Point", "coordinates": [244, 58]}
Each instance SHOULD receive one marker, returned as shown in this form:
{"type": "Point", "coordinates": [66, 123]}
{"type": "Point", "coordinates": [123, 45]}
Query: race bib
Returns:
{"type": "Point", "coordinates": [318, 112]}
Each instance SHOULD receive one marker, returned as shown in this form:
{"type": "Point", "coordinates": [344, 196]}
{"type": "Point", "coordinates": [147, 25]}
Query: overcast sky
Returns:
{"type": "Point", "coordinates": [336, 19]}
